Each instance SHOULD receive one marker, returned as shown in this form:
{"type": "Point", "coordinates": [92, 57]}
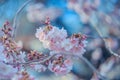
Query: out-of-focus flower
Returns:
{"type": "Point", "coordinates": [23, 75]}
{"type": "Point", "coordinates": [97, 54]}
{"type": "Point", "coordinates": [107, 66]}
{"type": "Point", "coordinates": [60, 65]}
{"type": "Point", "coordinates": [19, 44]}
{"type": "Point", "coordinates": [84, 8]}
{"type": "Point", "coordinates": [38, 67]}
{"type": "Point", "coordinates": [38, 12]}
{"type": "Point", "coordinates": [7, 71]}
{"type": "Point", "coordinates": [94, 44]}
{"type": "Point", "coordinates": [110, 68]}
{"type": "Point", "coordinates": [112, 43]}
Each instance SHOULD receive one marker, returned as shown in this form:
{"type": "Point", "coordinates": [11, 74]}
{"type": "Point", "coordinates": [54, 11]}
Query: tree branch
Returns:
{"type": "Point", "coordinates": [16, 15]}
{"type": "Point", "coordinates": [30, 62]}
{"type": "Point", "coordinates": [77, 10]}
{"type": "Point", "coordinates": [105, 42]}
{"type": "Point", "coordinates": [93, 68]}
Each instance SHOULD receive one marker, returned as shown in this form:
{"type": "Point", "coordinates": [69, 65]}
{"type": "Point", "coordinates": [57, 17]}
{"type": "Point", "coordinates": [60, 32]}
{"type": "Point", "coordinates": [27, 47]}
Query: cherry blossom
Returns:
{"type": "Point", "coordinates": [37, 12]}
{"type": "Point", "coordinates": [3, 56]}
{"type": "Point", "coordinates": [74, 45]}
{"type": "Point", "coordinates": [33, 55]}
{"type": "Point", "coordinates": [56, 39]}
{"type": "Point", "coordinates": [61, 47]}
{"type": "Point", "coordinates": [50, 41]}
{"type": "Point", "coordinates": [60, 65]}
{"type": "Point", "coordinates": [79, 43]}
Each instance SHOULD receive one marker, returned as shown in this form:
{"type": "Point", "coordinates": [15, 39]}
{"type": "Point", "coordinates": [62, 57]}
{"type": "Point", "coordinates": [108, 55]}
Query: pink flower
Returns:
{"type": "Point", "coordinates": [67, 45]}
{"type": "Point", "coordinates": [38, 67]}
{"type": "Point", "coordinates": [73, 45]}
{"type": "Point", "coordinates": [56, 40]}
{"type": "Point", "coordinates": [79, 43]}
{"type": "Point", "coordinates": [37, 12]}
{"type": "Point", "coordinates": [60, 65]}
{"type": "Point", "coordinates": [51, 36]}
{"type": "Point", "coordinates": [40, 34]}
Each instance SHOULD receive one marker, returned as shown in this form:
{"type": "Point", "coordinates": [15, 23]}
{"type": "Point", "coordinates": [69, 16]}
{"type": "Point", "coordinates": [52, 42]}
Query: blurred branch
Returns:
{"type": "Point", "coordinates": [94, 37]}
{"type": "Point", "coordinates": [105, 42]}
{"type": "Point", "coordinates": [93, 68]}
{"type": "Point", "coordinates": [78, 11]}
{"type": "Point", "coordinates": [16, 16]}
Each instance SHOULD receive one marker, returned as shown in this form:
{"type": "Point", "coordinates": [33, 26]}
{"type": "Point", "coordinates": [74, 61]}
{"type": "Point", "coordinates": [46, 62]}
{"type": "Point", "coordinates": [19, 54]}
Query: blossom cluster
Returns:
{"type": "Point", "coordinates": [37, 12]}
{"type": "Point", "coordinates": [9, 46]}
{"type": "Point", "coordinates": [56, 40]}
{"type": "Point", "coordinates": [60, 65]}
{"type": "Point", "coordinates": [59, 59]}
{"type": "Point", "coordinates": [85, 8]}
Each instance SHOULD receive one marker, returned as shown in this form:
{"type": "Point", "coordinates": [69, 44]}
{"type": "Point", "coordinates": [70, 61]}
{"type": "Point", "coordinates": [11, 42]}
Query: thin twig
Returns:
{"type": "Point", "coordinates": [37, 61]}
{"type": "Point", "coordinates": [105, 42]}
{"type": "Point", "coordinates": [93, 68]}
{"type": "Point", "coordinates": [16, 15]}
{"type": "Point", "coordinates": [30, 62]}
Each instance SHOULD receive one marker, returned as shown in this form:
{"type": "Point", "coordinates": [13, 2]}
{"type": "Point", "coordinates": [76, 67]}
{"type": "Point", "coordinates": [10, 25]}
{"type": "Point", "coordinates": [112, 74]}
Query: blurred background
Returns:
{"type": "Point", "coordinates": [76, 16]}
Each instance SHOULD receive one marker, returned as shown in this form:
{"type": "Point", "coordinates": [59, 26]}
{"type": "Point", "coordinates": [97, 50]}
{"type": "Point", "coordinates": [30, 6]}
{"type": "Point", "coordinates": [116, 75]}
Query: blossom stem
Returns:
{"type": "Point", "coordinates": [15, 18]}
